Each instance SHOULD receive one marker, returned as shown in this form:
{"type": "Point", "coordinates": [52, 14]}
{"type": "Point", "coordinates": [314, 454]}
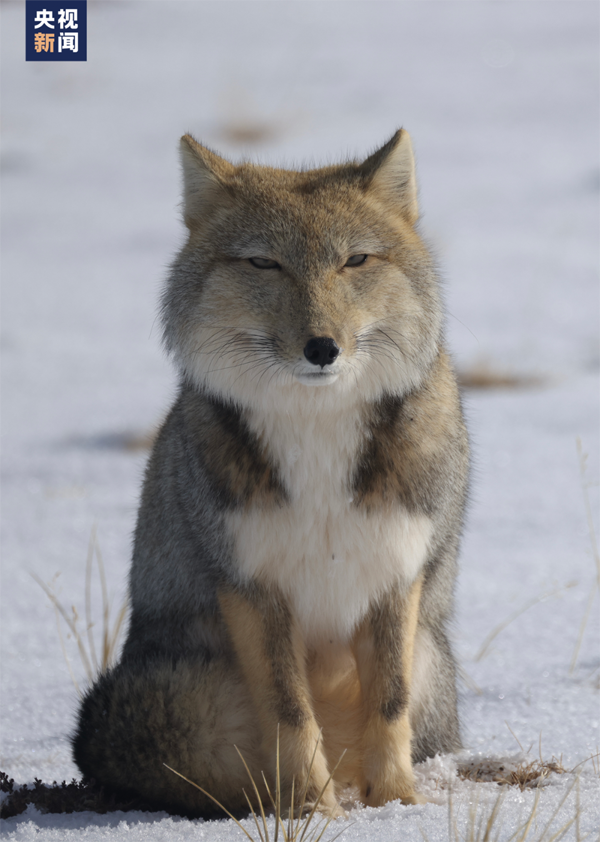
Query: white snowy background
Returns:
{"type": "Point", "coordinates": [501, 99]}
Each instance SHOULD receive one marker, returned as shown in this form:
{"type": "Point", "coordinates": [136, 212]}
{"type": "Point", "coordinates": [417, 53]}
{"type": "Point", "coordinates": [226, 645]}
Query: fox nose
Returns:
{"type": "Point", "coordinates": [321, 350]}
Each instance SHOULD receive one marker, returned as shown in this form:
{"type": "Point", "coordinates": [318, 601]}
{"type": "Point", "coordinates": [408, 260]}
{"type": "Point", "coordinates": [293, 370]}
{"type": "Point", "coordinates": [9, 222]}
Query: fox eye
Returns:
{"type": "Point", "coordinates": [356, 260]}
{"type": "Point", "coordinates": [264, 263]}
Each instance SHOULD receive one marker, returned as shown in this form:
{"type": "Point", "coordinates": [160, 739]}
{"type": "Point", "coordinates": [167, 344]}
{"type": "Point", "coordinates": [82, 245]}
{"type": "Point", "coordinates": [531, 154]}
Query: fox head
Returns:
{"type": "Point", "coordinates": [295, 280]}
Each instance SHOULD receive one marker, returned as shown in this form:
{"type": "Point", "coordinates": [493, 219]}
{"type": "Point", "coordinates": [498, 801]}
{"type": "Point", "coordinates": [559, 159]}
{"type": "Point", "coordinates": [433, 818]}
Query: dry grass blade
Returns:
{"type": "Point", "coordinates": [482, 826]}
{"type": "Point", "coordinates": [592, 757]}
{"type": "Point", "coordinates": [595, 764]}
{"type": "Point", "coordinates": [518, 741]}
{"type": "Point", "coordinates": [492, 818]}
{"type": "Point", "coordinates": [214, 800]}
{"type": "Point", "coordinates": [291, 813]}
{"type": "Point", "coordinates": [526, 827]}
{"type": "Point", "coordinates": [88, 598]}
{"type": "Point", "coordinates": [304, 794]}
{"type": "Point", "coordinates": [105, 606]}
{"type": "Point", "coordinates": [64, 651]}
{"type": "Point", "coordinates": [278, 790]}
{"type": "Point", "coordinates": [588, 507]}
{"type": "Point", "coordinates": [255, 817]}
{"type": "Point", "coordinates": [110, 636]}
{"type": "Point", "coordinates": [479, 827]}
{"type": "Point", "coordinates": [501, 626]}
{"type": "Point", "coordinates": [320, 796]}
{"type": "Point", "coordinates": [337, 835]}
{"type": "Point", "coordinates": [582, 627]}
{"type": "Point", "coordinates": [296, 830]}
{"type": "Point", "coordinates": [585, 484]}
{"type": "Point", "coordinates": [71, 624]}
{"type": "Point", "coordinates": [260, 804]}
{"type": "Point", "coordinates": [550, 821]}
{"type": "Point", "coordinates": [468, 681]}
{"type": "Point", "coordinates": [114, 636]}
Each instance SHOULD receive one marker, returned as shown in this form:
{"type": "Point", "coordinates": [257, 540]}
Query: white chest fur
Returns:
{"type": "Point", "coordinates": [330, 558]}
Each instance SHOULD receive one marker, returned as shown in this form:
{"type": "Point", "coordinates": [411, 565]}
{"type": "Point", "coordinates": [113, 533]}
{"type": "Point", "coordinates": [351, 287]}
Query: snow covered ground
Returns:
{"type": "Point", "coordinates": [501, 100]}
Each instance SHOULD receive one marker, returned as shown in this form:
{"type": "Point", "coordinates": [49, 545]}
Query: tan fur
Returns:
{"type": "Point", "coordinates": [385, 676]}
{"type": "Point", "coordinates": [272, 657]}
{"type": "Point", "coordinates": [339, 711]}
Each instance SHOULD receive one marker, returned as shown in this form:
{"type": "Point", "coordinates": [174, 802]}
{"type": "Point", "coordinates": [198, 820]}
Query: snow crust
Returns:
{"type": "Point", "coordinates": [501, 100]}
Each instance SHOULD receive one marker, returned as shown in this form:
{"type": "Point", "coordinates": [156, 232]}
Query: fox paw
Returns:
{"type": "Point", "coordinates": [325, 803]}
{"type": "Point", "coordinates": [330, 809]}
{"type": "Point", "coordinates": [377, 796]}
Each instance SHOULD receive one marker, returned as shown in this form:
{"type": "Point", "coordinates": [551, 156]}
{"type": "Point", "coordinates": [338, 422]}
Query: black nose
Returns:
{"type": "Point", "coordinates": [321, 350]}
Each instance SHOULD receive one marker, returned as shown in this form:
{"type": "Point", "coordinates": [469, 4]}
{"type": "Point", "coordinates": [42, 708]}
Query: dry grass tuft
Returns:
{"type": "Point", "coordinates": [483, 376]}
{"type": "Point", "coordinates": [138, 441]}
{"type": "Point", "coordinates": [528, 774]}
{"type": "Point", "coordinates": [298, 822]}
{"type": "Point", "coordinates": [585, 486]}
{"type": "Point", "coordinates": [125, 440]}
{"type": "Point", "coordinates": [247, 132]}
{"type": "Point", "coordinates": [486, 826]}
{"type": "Point", "coordinates": [73, 797]}
{"type": "Point", "coordinates": [84, 638]}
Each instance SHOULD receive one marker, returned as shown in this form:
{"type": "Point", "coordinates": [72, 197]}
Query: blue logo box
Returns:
{"type": "Point", "coordinates": [56, 30]}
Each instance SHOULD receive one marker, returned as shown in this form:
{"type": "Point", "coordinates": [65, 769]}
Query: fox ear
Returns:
{"type": "Point", "coordinates": [391, 172]}
{"type": "Point", "coordinates": [204, 175]}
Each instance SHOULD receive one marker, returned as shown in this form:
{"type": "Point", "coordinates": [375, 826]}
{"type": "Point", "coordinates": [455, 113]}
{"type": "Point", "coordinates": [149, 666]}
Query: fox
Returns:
{"type": "Point", "coordinates": [295, 553]}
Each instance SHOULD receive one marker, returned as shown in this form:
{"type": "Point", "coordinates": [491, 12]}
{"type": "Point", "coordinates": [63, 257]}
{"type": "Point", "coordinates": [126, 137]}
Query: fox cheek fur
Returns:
{"type": "Point", "coordinates": [295, 550]}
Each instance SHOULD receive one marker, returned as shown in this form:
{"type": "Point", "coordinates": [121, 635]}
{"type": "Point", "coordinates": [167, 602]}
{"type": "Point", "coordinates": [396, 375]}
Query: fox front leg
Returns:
{"type": "Point", "coordinates": [383, 648]}
{"type": "Point", "coordinates": [272, 657]}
